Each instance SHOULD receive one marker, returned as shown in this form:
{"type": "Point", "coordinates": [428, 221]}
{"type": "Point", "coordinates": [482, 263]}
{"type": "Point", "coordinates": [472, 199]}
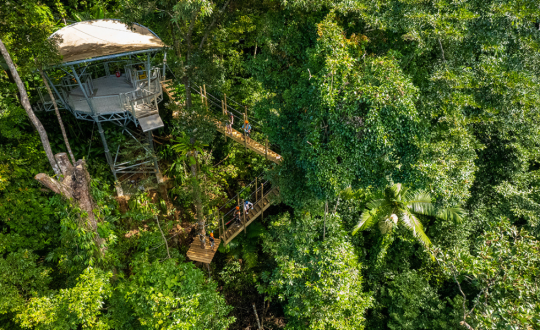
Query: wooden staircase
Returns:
{"type": "Point", "coordinates": [236, 136]}
{"type": "Point", "coordinates": [258, 208]}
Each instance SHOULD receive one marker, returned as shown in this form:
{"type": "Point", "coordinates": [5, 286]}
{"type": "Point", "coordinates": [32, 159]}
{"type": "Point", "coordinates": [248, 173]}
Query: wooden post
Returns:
{"type": "Point", "coordinates": [244, 216]}
{"type": "Point", "coordinates": [205, 98]}
{"type": "Point", "coordinates": [245, 135]}
{"type": "Point", "coordinates": [223, 224]}
{"type": "Point", "coordinates": [225, 123]}
{"type": "Point", "coordinates": [262, 201]}
{"type": "Point", "coordinates": [200, 92]}
{"type": "Point", "coordinates": [266, 148]}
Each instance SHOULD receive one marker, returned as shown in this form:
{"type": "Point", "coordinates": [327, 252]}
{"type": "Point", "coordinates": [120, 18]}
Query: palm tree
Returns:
{"type": "Point", "coordinates": [190, 148]}
{"type": "Point", "coordinates": [399, 205]}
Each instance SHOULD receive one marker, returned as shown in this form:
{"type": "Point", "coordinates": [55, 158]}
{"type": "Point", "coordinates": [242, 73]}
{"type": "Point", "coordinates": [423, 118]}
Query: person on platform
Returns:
{"type": "Point", "coordinates": [248, 206]}
{"type": "Point", "coordinates": [212, 241]}
{"type": "Point", "coordinates": [230, 123]}
{"type": "Point", "coordinates": [247, 128]}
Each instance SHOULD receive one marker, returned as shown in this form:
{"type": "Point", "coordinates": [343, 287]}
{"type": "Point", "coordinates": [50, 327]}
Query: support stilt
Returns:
{"type": "Point", "coordinates": [156, 166]}
{"type": "Point", "coordinates": [106, 148]}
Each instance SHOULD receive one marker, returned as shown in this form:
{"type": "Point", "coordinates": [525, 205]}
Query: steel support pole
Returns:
{"type": "Point", "coordinates": [148, 68]}
{"type": "Point", "coordinates": [106, 147]}
{"type": "Point", "coordinates": [84, 93]}
{"type": "Point", "coordinates": [164, 64]}
{"type": "Point", "coordinates": [156, 166]}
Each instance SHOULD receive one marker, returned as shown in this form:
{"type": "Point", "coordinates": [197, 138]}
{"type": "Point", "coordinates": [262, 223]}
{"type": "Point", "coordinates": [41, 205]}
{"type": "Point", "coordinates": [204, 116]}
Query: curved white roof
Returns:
{"type": "Point", "coordinates": [96, 38]}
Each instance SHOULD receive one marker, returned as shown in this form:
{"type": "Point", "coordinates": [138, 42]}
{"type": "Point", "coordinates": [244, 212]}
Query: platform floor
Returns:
{"type": "Point", "coordinates": [106, 97]}
{"type": "Point", "coordinates": [197, 253]}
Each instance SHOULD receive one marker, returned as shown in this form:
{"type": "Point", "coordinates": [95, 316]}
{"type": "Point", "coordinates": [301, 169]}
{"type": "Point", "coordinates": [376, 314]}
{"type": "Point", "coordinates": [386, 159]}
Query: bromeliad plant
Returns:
{"type": "Point", "coordinates": [398, 205]}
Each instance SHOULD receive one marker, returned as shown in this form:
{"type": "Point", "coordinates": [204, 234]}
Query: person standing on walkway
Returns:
{"type": "Point", "coordinates": [231, 122]}
{"type": "Point", "coordinates": [248, 206]}
{"type": "Point", "coordinates": [236, 215]}
{"type": "Point", "coordinates": [211, 238]}
{"type": "Point", "coordinates": [247, 128]}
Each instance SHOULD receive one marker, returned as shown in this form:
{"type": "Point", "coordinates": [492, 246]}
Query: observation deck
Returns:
{"type": "Point", "coordinates": [106, 75]}
{"type": "Point", "coordinates": [111, 98]}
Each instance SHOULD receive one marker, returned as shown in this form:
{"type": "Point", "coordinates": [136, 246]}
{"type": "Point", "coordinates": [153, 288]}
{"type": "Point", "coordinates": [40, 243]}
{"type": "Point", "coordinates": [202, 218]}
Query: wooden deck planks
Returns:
{"type": "Point", "coordinates": [197, 253]}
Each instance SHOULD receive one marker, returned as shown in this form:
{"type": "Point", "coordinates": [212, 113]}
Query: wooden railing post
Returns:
{"type": "Point", "coordinates": [205, 98]}
{"type": "Point", "coordinates": [223, 224]}
{"type": "Point", "coordinates": [244, 216]}
{"type": "Point", "coordinates": [200, 92]}
{"type": "Point", "coordinates": [266, 148]}
{"type": "Point", "coordinates": [225, 123]}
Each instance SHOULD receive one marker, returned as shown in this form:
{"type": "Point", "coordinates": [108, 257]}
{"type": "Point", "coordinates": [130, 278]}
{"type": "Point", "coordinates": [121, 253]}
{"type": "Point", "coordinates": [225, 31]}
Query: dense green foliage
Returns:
{"type": "Point", "coordinates": [417, 123]}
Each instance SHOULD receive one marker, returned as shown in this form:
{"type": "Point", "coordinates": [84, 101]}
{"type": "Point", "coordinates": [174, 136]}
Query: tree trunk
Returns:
{"type": "Point", "coordinates": [60, 122]}
{"type": "Point", "coordinates": [28, 108]}
{"type": "Point", "coordinates": [197, 198]}
{"type": "Point", "coordinates": [186, 81]}
{"type": "Point", "coordinates": [74, 185]}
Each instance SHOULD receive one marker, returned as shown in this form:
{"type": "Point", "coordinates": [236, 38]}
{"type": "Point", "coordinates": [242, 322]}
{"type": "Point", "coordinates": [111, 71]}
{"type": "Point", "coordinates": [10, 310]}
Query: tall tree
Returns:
{"type": "Point", "coordinates": [189, 148]}
{"type": "Point", "coordinates": [187, 27]}
{"type": "Point", "coordinates": [28, 108]}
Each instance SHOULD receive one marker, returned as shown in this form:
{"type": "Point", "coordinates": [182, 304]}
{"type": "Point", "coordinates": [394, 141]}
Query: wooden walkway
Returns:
{"type": "Point", "coordinates": [205, 255]}
{"type": "Point", "coordinates": [258, 208]}
{"type": "Point", "coordinates": [236, 136]}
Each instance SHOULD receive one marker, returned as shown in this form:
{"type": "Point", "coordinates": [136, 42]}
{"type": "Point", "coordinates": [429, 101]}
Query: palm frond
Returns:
{"type": "Point", "coordinates": [412, 223]}
{"type": "Point", "coordinates": [392, 192]}
{"type": "Point", "coordinates": [452, 213]}
{"type": "Point", "coordinates": [419, 202]}
{"type": "Point", "coordinates": [422, 208]}
{"type": "Point", "coordinates": [375, 204]}
{"type": "Point", "coordinates": [367, 219]}
{"type": "Point", "coordinates": [419, 196]}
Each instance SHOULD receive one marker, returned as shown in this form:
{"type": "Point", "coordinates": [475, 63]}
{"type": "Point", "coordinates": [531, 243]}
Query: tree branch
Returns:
{"type": "Point", "coordinates": [442, 50]}
{"type": "Point", "coordinates": [212, 24]}
{"type": "Point", "coordinates": [28, 108]}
